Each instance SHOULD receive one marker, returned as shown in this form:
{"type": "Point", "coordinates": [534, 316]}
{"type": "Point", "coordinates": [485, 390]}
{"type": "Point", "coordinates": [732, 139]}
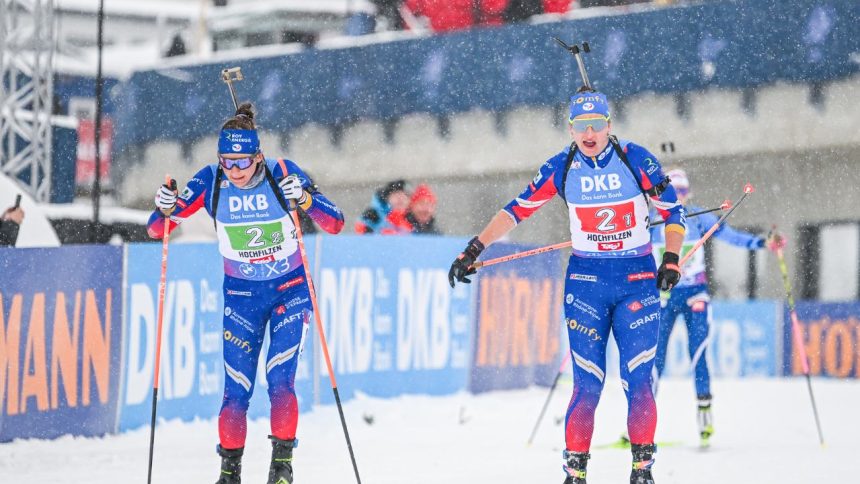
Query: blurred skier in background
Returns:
{"type": "Point", "coordinates": [247, 196]}
{"type": "Point", "coordinates": [612, 281]}
{"type": "Point", "coordinates": [691, 297]}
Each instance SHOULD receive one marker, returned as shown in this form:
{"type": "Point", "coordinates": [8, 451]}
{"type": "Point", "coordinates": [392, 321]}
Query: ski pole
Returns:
{"type": "Point", "coordinates": [748, 188]}
{"type": "Point", "coordinates": [162, 283]}
{"type": "Point", "coordinates": [549, 396]}
{"type": "Point", "coordinates": [798, 339]}
{"type": "Point", "coordinates": [562, 245]}
{"type": "Point", "coordinates": [520, 255]}
{"type": "Point", "coordinates": [294, 213]}
{"type": "Point", "coordinates": [725, 206]}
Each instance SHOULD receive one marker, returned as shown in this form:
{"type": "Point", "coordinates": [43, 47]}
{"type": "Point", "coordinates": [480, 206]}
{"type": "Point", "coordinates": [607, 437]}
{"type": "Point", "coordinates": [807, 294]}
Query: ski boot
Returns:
{"type": "Point", "coordinates": [281, 469]}
{"type": "Point", "coordinates": [643, 459]}
{"type": "Point", "coordinates": [574, 465]}
{"type": "Point", "coordinates": [706, 422]}
{"type": "Point", "coordinates": [231, 465]}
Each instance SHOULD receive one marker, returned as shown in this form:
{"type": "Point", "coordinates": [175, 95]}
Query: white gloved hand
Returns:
{"type": "Point", "coordinates": [291, 187]}
{"type": "Point", "coordinates": [165, 199]}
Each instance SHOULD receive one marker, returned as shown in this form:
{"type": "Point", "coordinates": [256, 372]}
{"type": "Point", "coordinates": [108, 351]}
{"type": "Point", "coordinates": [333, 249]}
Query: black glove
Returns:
{"type": "Point", "coordinates": [669, 273]}
{"type": "Point", "coordinates": [462, 265]}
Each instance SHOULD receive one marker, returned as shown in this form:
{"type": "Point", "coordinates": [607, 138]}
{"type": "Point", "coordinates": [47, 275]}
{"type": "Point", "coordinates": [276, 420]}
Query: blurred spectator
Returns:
{"type": "Point", "coordinates": [10, 222]}
{"type": "Point", "coordinates": [556, 6]}
{"type": "Point", "coordinates": [360, 23]}
{"type": "Point", "coordinates": [387, 211]}
{"type": "Point", "coordinates": [422, 211]}
{"type": "Point", "coordinates": [388, 14]}
{"type": "Point", "coordinates": [447, 15]}
{"type": "Point", "coordinates": [177, 47]}
{"type": "Point", "coordinates": [520, 10]}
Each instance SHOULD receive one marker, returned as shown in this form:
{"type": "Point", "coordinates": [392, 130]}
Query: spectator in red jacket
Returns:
{"type": "Point", "coordinates": [422, 211]}
{"type": "Point", "coordinates": [556, 6]}
{"type": "Point", "coordinates": [448, 15]}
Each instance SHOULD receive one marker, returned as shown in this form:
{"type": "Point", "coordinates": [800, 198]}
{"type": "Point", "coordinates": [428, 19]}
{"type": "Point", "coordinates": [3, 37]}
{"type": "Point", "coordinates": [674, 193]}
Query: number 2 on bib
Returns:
{"type": "Point", "coordinates": [607, 219]}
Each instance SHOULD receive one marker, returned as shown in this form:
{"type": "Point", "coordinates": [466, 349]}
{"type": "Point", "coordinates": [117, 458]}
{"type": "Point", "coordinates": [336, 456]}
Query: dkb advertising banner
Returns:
{"type": "Point", "coordinates": [518, 321]}
{"type": "Point", "coordinates": [191, 380]}
{"type": "Point", "coordinates": [743, 341]}
{"type": "Point", "coordinates": [393, 324]}
{"type": "Point", "coordinates": [60, 333]}
{"type": "Point", "coordinates": [831, 337]}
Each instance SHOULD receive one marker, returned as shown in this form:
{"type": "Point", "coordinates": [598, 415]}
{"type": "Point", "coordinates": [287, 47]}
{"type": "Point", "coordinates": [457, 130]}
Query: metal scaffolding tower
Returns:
{"type": "Point", "coordinates": [27, 41]}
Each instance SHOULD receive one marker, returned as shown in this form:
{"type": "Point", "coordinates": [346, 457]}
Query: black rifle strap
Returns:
{"type": "Point", "coordinates": [654, 191]}
{"type": "Point", "coordinates": [216, 193]}
{"type": "Point", "coordinates": [569, 161]}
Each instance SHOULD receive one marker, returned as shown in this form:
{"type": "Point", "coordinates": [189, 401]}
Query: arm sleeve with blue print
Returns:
{"type": "Point", "coordinates": [543, 187]}
{"type": "Point", "coordinates": [190, 200]}
{"type": "Point", "coordinates": [650, 174]}
{"type": "Point", "coordinates": [319, 208]}
{"type": "Point", "coordinates": [731, 235]}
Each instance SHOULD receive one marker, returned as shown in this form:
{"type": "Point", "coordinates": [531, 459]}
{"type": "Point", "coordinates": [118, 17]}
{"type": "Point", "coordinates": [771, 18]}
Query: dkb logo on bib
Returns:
{"type": "Point", "coordinates": [599, 183]}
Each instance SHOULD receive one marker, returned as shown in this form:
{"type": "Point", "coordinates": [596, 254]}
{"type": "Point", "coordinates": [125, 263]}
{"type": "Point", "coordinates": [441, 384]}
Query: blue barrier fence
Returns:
{"type": "Point", "coordinates": [720, 44]}
{"type": "Point", "coordinates": [393, 324]}
{"type": "Point", "coordinates": [77, 341]}
{"type": "Point", "coordinates": [745, 339]}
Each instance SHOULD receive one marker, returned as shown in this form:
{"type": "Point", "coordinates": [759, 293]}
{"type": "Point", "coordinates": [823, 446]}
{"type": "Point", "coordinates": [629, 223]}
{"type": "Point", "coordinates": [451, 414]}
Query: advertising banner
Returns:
{"type": "Point", "coordinates": [518, 313]}
{"type": "Point", "coordinates": [831, 336]}
{"type": "Point", "coordinates": [743, 341]}
{"type": "Point", "coordinates": [393, 324]}
{"type": "Point", "coordinates": [191, 380]}
{"type": "Point", "coordinates": [60, 334]}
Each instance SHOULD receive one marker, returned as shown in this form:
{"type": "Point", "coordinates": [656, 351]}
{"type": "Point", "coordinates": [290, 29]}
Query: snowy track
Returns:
{"type": "Point", "coordinates": [764, 434]}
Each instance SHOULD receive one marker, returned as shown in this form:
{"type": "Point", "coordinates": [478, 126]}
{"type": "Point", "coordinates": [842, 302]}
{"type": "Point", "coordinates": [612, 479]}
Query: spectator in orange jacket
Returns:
{"type": "Point", "coordinates": [387, 211]}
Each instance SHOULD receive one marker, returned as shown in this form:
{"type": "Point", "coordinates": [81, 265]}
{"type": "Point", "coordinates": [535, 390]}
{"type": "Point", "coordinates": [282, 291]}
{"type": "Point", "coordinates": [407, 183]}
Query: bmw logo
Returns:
{"type": "Point", "coordinates": [247, 269]}
{"type": "Point", "coordinates": [227, 311]}
{"type": "Point", "coordinates": [569, 298]}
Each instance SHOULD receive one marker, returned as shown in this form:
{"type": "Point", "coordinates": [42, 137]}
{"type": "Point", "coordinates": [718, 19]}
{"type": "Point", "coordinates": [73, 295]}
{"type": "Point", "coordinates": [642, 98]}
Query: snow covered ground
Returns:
{"type": "Point", "coordinates": [764, 434]}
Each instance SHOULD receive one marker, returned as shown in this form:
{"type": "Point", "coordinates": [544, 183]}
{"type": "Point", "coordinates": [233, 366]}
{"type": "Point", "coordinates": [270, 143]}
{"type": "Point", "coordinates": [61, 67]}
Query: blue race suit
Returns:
{"type": "Point", "coordinates": [264, 283]}
{"type": "Point", "coordinates": [611, 276]}
{"type": "Point", "coordinates": [690, 297]}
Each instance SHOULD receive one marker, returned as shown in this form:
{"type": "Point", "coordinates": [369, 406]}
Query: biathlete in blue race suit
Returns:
{"type": "Point", "coordinates": [264, 279]}
{"type": "Point", "coordinates": [691, 297]}
{"type": "Point", "coordinates": [612, 282]}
